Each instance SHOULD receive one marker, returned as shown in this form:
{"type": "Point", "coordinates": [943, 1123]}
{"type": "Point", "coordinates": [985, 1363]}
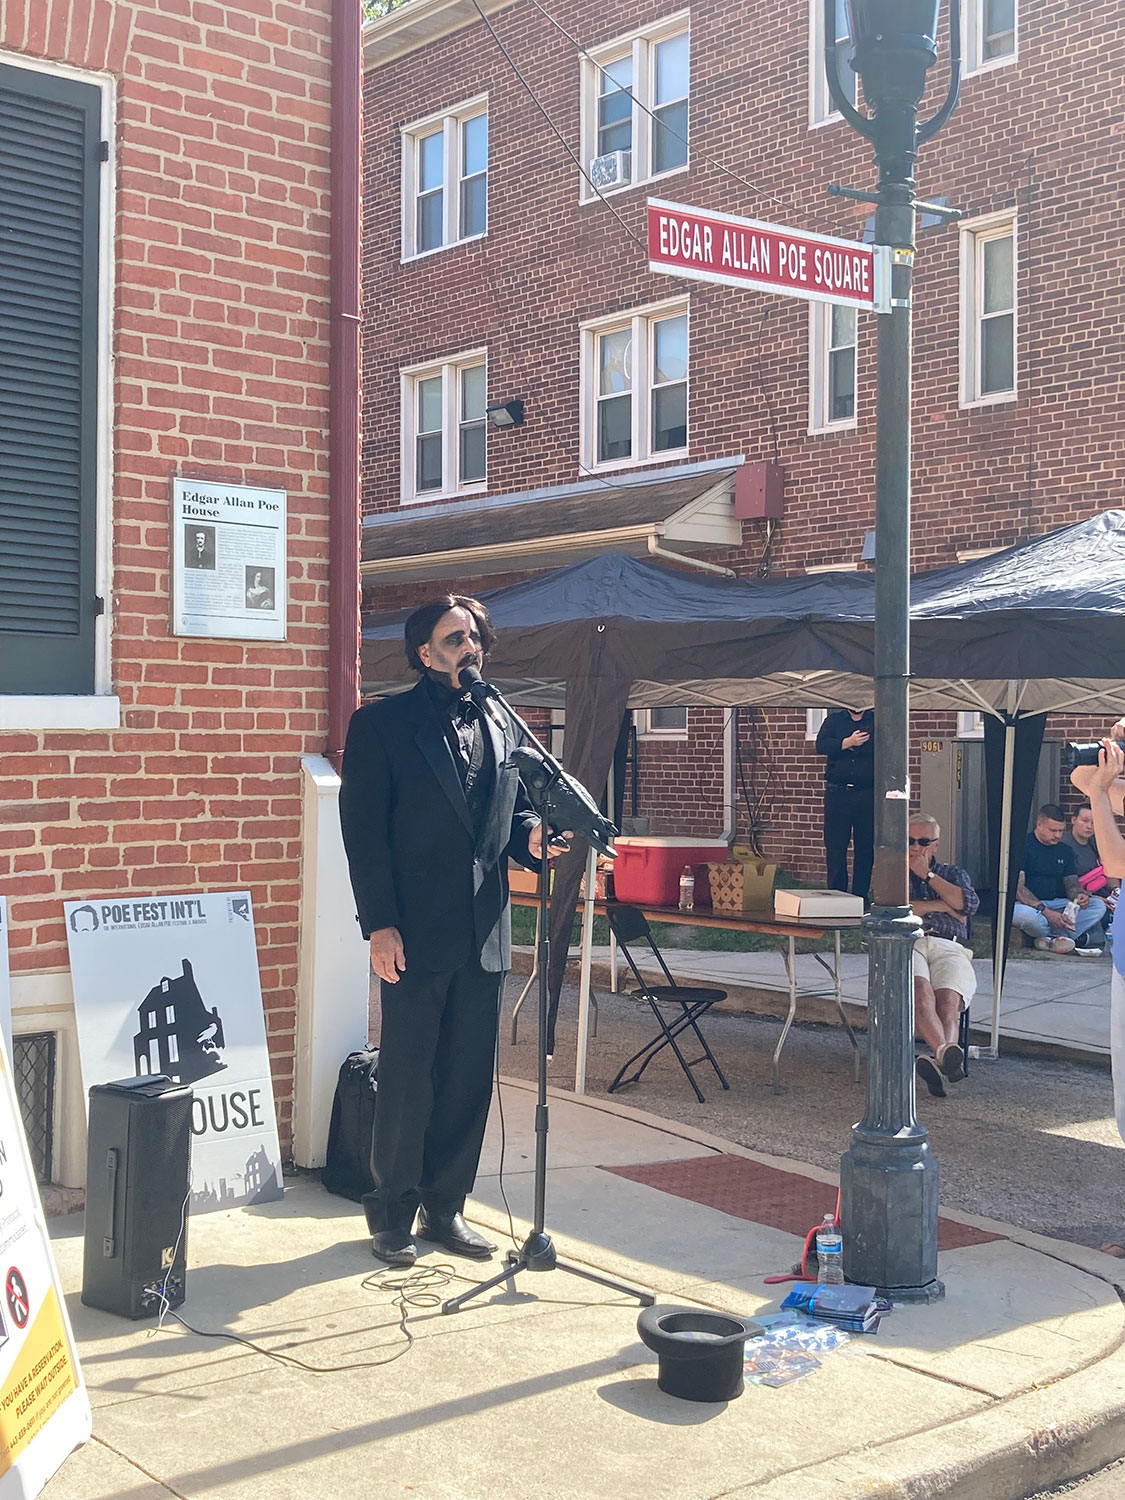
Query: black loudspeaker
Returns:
{"type": "Point", "coordinates": [137, 1165]}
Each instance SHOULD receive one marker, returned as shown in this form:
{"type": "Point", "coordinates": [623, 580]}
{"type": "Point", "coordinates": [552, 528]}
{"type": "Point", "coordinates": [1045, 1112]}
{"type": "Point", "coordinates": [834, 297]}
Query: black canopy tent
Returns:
{"type": "Point", "coordinates": [1037, 628]}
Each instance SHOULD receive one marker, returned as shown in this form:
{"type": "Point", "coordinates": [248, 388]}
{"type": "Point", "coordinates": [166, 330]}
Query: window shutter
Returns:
{"type": "Point", "coordinates": [50, 130]}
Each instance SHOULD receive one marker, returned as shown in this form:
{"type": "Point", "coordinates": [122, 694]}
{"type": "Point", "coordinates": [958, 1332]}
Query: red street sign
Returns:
{"type": "Point", "coordinates": [708, 246]}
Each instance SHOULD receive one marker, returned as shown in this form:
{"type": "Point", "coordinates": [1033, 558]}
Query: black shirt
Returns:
{"type": "Point", "coordinates": [847, 767]}
{"type": "Point", "coordinates": [1045, 866]}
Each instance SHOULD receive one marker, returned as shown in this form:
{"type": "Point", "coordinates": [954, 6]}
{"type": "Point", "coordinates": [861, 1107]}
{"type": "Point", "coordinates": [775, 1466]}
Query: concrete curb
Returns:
{"type": "Point", "coordinates": [1034, 1439]}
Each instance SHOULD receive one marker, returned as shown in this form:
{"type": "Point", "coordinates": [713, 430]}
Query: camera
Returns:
{"type": "Point", "coordinates": [1075, 754]}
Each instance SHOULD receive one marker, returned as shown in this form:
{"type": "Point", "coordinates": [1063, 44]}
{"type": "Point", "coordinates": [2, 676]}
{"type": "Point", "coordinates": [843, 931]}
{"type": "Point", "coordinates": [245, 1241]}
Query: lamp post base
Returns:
{"type": "Point", "coordinates": [891, 1195]}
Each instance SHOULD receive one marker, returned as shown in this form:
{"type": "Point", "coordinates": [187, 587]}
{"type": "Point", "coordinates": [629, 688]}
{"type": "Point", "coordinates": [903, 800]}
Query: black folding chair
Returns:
{"type": "Point", "coordinates": [686, 1003]}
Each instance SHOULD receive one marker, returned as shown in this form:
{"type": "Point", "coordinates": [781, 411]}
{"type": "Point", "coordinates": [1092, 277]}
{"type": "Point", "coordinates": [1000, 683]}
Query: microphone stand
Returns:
{"type": "Point", "coordinates": [538, 1250]}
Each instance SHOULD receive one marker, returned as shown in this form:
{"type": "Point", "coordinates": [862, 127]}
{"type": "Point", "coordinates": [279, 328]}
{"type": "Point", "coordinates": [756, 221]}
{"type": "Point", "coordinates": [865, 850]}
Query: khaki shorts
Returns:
{"type": "Point", "coordinates": [946, 965]}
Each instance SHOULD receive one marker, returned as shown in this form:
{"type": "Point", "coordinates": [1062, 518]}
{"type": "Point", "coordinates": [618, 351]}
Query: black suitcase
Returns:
{"type": "Point", "coordinates": [347, 1166]}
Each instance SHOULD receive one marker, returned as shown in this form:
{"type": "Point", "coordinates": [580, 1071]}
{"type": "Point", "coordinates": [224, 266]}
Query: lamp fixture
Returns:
{"type": "Point", "coordinates": [508, 414]}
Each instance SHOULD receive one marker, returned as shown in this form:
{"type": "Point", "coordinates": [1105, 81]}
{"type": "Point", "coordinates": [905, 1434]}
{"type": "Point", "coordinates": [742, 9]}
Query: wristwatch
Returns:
{"type": "Point", "coordinates": [1041, 907]}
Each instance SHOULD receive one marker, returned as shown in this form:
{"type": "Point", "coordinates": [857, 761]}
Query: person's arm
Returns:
{"type": "Point", "coordinates": [365, 798]}
{"type": "Point", "coordinates": [830, 738]}
{"type": "Point", "coordinates": [1100, 783]}
{"type": "Point", "coordinates": [1028, 898]}
{"type": "Point", "coordinates": [949, 892]}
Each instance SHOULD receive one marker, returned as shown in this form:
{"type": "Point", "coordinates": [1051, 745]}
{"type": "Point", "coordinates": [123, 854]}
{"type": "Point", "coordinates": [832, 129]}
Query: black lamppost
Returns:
{"type": "Point", "coordinates": [888, 1176]}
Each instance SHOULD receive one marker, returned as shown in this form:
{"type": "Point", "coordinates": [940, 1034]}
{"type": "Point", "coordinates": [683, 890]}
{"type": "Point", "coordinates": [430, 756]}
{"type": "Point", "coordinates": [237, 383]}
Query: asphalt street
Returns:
{"type": "Point", "coordinates": [1026, 1140]}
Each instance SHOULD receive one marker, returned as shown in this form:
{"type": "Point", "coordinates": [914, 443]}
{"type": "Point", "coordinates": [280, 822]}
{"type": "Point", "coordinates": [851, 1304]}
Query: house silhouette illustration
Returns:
{"type": "Point", "coordinates": [177, 1034]}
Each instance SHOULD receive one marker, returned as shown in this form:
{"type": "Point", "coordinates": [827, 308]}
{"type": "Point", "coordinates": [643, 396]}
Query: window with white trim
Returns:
{"type": "Point", "coordinates": [635, 387]}
{"type": "Point", "coordinates": [832, 366]}
{"type": "Point", "coordinates": [970, 725]}
{"type": "Point", "coordinates": [635, 94]}
{"type": "Point", "coordinates": [990, 28]}
{"type": "Point", "coordinates": [821, 108]}
{"type": "Point", "coordinates": [445, 428]}
{"type": "Point", "coordinates": [988, 310]}
{"type": "Point", "coordinates": [445, 179]}
{"type": "Point", "coordinates": [662, 723]}
{"type": "Point", "coordinates": [814, 718]}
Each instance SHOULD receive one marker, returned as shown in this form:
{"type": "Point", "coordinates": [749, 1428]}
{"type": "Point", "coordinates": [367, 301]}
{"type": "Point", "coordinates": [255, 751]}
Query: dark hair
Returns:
{"type": "Point", "coordinates": [420, 625]}
{"type": "Point", "coordinates": [1082, 807]}
{"type": "Point", "coordinates": [1052, 812]}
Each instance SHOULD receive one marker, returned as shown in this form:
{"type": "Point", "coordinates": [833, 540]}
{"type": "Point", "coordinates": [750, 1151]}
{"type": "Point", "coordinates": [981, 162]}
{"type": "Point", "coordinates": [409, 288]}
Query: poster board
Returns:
{"type": "Point", "coordinates": [228, 561]}
{"type": "Point", "coordinates": [5, 980]}
{"type": "Point", "coordinates": [44, 1406]}
{"type": "Point", "coordinates": [169, 984]}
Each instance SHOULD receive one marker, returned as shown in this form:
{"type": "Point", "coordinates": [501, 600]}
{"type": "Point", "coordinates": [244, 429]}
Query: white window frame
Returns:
{"type": "Point", "coordinates": [970, 724]}
{"type": "Point", "coordinates": [642, 320]}
{"type": "Point", "coordinates": [820, 366]}
{"type": "Point", "coordinates": [641, 45]}
{"type": "Point", "coordinates": [821, 111]}
{"type": "Point", "coordinates": [642, 717]}
{"type": "Point", "coordinates": [975, 233]}
{"type": "Point", "coordinates": [972, 40]}
{"type": "Point", "coordinates": [100, 709]}
{"type": "Point", "coordinates": [449, 121]}
{"type": "Point", "coordinates": [814, 718]}
{"type": "Point", "coordinates": [449, 369]}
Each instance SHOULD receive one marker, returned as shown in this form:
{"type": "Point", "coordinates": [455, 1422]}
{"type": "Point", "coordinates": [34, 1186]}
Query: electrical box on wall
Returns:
{"type": "Point", "coordinates": [759, 492]}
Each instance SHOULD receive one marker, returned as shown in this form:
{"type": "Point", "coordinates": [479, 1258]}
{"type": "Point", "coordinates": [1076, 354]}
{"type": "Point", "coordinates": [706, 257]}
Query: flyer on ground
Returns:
{"type": "Point", "coordinates": [228, 561]}
{"type": "Point", "coordinates": [44, 1407]}
{"type": "Point", "coordinates": [170, 984]}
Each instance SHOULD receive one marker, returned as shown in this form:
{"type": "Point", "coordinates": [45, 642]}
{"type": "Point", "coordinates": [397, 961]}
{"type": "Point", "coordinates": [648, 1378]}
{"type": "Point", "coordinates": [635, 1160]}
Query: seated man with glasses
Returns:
{"type": "Point", "coordinates": [944, 981]}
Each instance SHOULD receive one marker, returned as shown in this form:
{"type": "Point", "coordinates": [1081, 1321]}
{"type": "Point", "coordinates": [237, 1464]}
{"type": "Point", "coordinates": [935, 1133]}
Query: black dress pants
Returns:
{"type": "Point", "coordinates": [436, 1058]}
{"type": "Point", "coordinates": [849, 817]}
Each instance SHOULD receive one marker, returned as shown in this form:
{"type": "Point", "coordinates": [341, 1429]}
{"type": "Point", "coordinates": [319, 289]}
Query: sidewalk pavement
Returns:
{"type": "Point", "coordinates": [1013, 1383]}
{"type": "Point", "coordinates": [1058, 1003]}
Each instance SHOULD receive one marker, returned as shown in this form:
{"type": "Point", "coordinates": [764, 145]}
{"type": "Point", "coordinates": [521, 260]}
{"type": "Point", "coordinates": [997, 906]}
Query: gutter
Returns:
{"type": "Point", "coordinates": [344, 596]}
{"type": "Point", "coordinates": [465, 558]}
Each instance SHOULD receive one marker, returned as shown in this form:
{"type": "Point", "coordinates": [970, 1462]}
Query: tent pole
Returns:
{"type": "Point", "coordinates": [584, 974]}
{"type": "Point", "coordinates": [1000, 929]}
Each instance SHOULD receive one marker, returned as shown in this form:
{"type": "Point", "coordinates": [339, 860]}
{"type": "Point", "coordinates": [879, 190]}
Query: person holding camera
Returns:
{"type": "Point", "coordinates": [1104, 784]}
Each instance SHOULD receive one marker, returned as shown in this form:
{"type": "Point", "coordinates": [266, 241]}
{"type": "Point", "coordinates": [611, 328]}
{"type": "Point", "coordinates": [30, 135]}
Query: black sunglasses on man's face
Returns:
{"type": "Point", "coordinates": [922, 843]}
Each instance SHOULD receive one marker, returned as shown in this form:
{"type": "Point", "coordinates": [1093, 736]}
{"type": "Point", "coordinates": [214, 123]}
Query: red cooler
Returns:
{"type": "Point", "coordinates": [647, 871]}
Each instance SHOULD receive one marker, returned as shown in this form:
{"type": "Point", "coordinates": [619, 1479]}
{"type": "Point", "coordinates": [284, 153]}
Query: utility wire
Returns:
{"type": "Point", "coordinates": [675, 134]}
{"type": "Point", "coordinates": [555, 129]}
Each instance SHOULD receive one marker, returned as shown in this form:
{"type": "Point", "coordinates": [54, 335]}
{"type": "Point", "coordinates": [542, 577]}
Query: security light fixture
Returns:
{"type": "Point", "coordinates": [509, 414]}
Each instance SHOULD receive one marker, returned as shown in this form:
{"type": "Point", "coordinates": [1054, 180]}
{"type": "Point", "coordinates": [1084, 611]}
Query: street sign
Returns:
{"type": "Point", "coordinates": [706, 246]}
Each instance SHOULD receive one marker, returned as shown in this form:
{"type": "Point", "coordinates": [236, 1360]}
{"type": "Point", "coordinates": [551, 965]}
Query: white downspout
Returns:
{"type": "Point", "coordinates": [656, 550]}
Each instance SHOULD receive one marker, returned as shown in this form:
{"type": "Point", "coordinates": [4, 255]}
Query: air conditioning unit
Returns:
{"type": "Point", "coordinates": [613, 169]}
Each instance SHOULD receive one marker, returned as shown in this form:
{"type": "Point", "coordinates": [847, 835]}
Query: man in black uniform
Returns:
{"type": "Point", "coordinates": [430, 812]}
{"type": "Point", "coordinates": [847, 739]}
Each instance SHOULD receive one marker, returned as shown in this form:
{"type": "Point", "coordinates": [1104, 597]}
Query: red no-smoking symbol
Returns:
{"type": "Point", "coordinates": [15, 1289]}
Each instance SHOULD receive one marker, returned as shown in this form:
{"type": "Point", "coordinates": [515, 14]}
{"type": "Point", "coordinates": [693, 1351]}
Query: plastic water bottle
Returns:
{"type": "Point", "coordinates": [687, 889]}
{"type": "Point", "coordinates": [830, 1252]}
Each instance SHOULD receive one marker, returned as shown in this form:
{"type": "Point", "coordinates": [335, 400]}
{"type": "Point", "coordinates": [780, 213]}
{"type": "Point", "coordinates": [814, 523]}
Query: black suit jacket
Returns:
{"type": "Point", "coordinates": [414, 860]}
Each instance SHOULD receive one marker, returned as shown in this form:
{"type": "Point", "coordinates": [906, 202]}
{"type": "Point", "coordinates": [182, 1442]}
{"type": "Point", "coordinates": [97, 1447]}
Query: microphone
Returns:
{"type": "Point", "coordinates": [571, 805]}
{"type": "Point", "coordinates": [476, 687]}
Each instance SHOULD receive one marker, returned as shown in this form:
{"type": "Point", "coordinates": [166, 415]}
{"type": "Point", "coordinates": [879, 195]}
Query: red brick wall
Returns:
{"type": "Point", "coordinates": [220, 337]}
{"type": "Point", "coordinates": [982, 477]}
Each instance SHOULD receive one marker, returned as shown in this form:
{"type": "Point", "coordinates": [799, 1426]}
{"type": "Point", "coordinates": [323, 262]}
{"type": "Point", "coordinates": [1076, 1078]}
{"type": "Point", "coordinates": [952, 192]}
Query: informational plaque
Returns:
{"type": "Point", "coordinates": [228, 561]}
{"type": "Point", "coordinates": [169, 984]}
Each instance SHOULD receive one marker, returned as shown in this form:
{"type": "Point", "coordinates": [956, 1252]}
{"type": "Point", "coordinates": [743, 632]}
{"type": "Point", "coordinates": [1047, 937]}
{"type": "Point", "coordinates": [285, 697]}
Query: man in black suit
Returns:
{"type": "Point", "coordinates": [847, 740]}
{"type": "Point", "coordinates": [430, 813]}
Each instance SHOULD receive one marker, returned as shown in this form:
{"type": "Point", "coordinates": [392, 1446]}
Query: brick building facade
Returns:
{"type": "Point", "coordinates": [1018, 357]}
{"type": "Point", "coordinates": [151, 762]}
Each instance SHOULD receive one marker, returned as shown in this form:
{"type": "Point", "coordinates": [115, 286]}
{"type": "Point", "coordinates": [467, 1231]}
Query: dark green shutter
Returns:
{"type": "Point", "coordinates": [50, 131]}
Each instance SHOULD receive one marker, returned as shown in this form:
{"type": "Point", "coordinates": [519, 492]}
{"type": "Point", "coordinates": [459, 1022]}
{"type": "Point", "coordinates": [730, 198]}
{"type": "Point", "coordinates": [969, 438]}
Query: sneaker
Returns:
{"type": "Point", "coordinates": [1055, 945]}
{"type": "Point", "coordinates": [952, 1062]}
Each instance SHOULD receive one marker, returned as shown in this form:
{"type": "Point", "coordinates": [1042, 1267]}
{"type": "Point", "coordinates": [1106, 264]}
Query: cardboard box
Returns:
{"type": "Point", "coordinates": [739, 885]}
{"type": "Point", "coordinates": [813, 904]}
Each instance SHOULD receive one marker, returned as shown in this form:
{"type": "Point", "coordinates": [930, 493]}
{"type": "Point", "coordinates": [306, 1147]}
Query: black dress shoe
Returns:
{"type": "Point", "coordinates": [454, 1234]}
{"type": "Point", "coordinates": [394, 1246]}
